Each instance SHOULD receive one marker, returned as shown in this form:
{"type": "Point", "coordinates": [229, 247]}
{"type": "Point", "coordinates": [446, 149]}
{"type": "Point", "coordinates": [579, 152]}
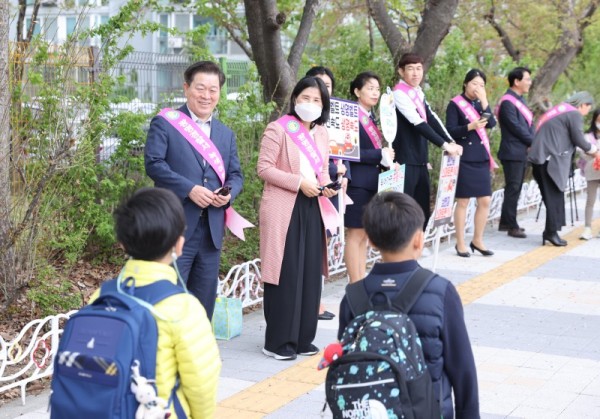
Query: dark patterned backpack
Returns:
{"type": "Point", "coordinates": [382, 372]}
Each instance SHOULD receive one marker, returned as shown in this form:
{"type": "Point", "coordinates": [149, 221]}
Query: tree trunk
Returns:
{"type": "Point", "coordinates": [277, 73]}
{"type": "Point", "coordinates": [435, 24]}
{"type": "Point", "coordinates": [7, 266]}
{"type": "Point", "coordinates": [570, 44]}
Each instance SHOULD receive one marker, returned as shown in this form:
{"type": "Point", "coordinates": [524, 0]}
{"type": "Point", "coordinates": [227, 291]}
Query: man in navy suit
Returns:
{"type": "Point", "coordinates": [173, 163]}
{"type": "Point", "coordinates": [516, 137]}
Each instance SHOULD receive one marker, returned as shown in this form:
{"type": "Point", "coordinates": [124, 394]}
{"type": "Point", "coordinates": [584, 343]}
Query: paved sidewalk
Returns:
{"type": "Point", "coordinates": [533, 315]}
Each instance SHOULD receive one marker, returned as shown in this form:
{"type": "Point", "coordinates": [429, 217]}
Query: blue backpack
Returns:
{"type": "Point", "coordinates": [382, 372]}
{"type": "Point", "coordinates": [100, 344]}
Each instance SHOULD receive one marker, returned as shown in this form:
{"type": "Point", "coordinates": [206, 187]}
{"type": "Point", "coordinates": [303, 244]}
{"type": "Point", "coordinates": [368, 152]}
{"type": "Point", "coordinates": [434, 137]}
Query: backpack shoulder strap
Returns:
{"type": "Point", "coordinates": [413, 289]}
{"type": "Point", "coordinates": [151, 293]}
{"type": "Point", "coordinates": [157, 291]}
{"type": "Point", "coordinates": [358, 298]}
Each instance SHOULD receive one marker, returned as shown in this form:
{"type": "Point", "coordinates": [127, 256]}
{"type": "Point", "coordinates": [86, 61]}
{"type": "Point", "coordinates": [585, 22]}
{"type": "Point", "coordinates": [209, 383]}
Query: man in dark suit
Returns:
{"type": "Point", "coordinates": [173, 163]}
{"type": "Point", "coordinates": [517, 131]}
{"type": "Point", "coordinates": [417, 127]}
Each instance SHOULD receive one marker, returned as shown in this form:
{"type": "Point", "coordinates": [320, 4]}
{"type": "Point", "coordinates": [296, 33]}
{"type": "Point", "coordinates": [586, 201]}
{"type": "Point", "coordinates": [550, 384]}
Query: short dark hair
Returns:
{"type": "Point", "coordinates": [409, 58]}
{"type": "Point", "coordinates": [471, 74]}
{"type": "Point", "coordinates": [305, 83]}
{"type": "Point", "coordinates": [362, 79]}
{"type": "Point", "coordinates": [391, 219]}
{"type": "Point", "coordinates": [517, 73]}
{"type": "Point", "coordinates": [319, 70]}
{"type": "Point", "coordinates": [149, 223]}
{"type": "Point", "coordinates": [203, 67]}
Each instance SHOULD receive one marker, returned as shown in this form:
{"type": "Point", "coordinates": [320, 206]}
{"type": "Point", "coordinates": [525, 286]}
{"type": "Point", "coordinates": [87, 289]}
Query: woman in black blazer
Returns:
{"type": "Point", "coordinates": [365, 174]}
{"type": "Point", "coordinates": [467, 118]}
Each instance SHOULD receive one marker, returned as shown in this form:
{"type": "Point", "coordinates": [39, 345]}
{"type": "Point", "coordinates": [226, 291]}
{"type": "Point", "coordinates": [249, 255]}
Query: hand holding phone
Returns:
{"type": "Point", "coordinates": [224, 191]}
{"type": "Point", "coordinates": [485, 116]}
{"type": "Point", "coordinates": [333, 185]}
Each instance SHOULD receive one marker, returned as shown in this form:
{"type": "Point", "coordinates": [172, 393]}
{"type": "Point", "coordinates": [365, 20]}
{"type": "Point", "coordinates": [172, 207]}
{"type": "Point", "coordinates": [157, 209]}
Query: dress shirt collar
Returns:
{"type": "Point", "coordinates": [389, 268]}
{"type": "Point", "coordinates": [197, 120]}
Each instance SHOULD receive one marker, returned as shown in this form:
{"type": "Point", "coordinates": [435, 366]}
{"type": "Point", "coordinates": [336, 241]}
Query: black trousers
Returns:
{"type": "Point", "coordinates": [291, 308]}
{"type": "Point", "coordinates": [554, 199]}
{"type": "Point", "coordinates": [514, 173]}
{"type": "Point", "coordinates": [418, 186]}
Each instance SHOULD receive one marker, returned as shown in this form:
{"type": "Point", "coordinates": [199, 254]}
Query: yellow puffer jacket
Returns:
{"type": "Point", "coordinates": [186, 344]}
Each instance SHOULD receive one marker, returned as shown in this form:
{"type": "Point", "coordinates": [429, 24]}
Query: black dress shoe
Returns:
{"type": "Point", "coordinates": [484, 252]}
{"type": "Point", "coordinates": [516, 232]}
{"type": "Point", "coordinates": [507, 228]}
{"type": "Point", "coordinates": [462, 254]}
{"type": "Point", "coordinates": [326, 315]}
{"type": "Point", "coordinates": [553, 238]}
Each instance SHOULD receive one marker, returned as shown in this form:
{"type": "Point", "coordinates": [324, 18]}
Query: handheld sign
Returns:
{"type": "Point", "coordinates": [387, 116]}
{"type": "Point", "coordinates": [393, 179]}
{"type": "Point", "coordinates": [444, 200]}
{"type": "Point", "coordinates": [343, 130]}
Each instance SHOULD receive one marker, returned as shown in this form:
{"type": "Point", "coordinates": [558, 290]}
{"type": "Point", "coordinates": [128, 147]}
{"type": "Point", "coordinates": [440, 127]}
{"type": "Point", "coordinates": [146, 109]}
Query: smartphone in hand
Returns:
{"type": "Point", "coordinates": [485, 116]}
{"type": "Point", "coordinates": [333, 185]}
{"type": "Point", "coordinates": [224, 191]}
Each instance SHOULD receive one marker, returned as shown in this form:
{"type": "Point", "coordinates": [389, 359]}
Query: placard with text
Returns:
{"type": "Point", "coordinates": [343, 130]}
{"type": "Point", "coordinates": [444, 200]}
{"type": "Point", "coordinates": [393, 179]}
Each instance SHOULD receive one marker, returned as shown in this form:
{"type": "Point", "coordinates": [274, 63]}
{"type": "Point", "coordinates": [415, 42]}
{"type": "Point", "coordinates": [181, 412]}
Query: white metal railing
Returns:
{"type": "Point", "coordinates": [28, 357]}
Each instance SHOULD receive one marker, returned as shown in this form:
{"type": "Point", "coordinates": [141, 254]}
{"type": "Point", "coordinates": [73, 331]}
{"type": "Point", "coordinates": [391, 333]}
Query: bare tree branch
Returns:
{"type": "Point", "coordinates": [388, 29]}
{"type": "Point", "coordinates": [434, 27]}
{"type": "Point", "coordinates": [514, 53]}
{"type": "Point", "coordinates": [306, 23]}
{"type": "Point", "coordinates": [569, 44]}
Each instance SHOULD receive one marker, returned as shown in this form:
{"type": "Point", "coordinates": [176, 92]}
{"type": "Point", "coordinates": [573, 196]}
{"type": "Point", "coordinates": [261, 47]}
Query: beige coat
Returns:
{"type": "Point", "coordinates": [279, 166]}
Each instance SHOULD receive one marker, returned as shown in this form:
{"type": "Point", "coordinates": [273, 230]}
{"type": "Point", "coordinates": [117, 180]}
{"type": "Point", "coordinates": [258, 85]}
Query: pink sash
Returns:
{"type": "Point", "coordinates": [519, 105]}
{"type": "Point", "coordinates": [301, 137]}
{"type": "Point", "coordinates": [203, 145]}
{"type": "Point", "coordinates": [370, 128]}
{"type": "Point", "coordinates": [412, 93]}
{"type": "Point", "coordinates": [555, 111]}
{"type": "Point", "coordinates": [472, 115]}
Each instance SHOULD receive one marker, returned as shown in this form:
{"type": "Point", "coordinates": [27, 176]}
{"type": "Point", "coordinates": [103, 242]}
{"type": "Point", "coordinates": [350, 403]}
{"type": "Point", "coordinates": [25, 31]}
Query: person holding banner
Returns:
{"type": "Point", "coordinates": [193, 154]}
{"type": "Point", "coordinates": [417, 125]}
{"type": "Point", "coordinates": [517, 130]}
{"type": "Point", "coordinates": [337, 167]}
{"type": "Point", "coordinates": [558, 132]}
{"type": "Point", "coordinates": [363, 186]}
{"type": "Point", "coordinates": [467, 117]}
{"type": "Point", "coordinates": [294, 214]}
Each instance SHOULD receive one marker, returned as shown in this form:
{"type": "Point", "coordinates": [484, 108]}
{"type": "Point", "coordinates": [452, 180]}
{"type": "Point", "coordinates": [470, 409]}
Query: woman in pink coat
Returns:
{"type": "Point", "coordinates": [293, 162]}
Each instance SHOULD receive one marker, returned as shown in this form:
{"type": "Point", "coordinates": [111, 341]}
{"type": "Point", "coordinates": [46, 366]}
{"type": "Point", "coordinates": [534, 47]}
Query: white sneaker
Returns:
{"type": "Point", "coordinates": [587, 234]}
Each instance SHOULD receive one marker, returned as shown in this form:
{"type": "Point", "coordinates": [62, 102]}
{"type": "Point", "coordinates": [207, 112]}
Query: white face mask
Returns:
{"type": "Point", "coordinates": [308, 111]}
{"type": "Point", "coordinates": [598, 126]}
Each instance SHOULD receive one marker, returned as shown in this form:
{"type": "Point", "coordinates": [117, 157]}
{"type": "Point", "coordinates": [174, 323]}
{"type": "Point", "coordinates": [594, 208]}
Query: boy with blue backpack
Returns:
{"type": "Point", "coordinates": [393, 222]}
{"type": "Point", "coordinates": [142, 327]}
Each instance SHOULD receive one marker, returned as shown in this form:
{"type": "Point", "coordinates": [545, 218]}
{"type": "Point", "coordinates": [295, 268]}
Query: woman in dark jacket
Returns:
{"type": "Point", "coordinates": [365, 173]}
{"type": "Point", "coordinates": [467, 118]}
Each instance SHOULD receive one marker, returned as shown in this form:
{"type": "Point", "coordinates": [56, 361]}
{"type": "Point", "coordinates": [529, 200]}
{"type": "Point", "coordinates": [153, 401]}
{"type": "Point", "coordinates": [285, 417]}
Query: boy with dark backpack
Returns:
{"type": "Point", "coordinates": [380, 347]}
{"type": "Point", "coordinates": [139, 349]}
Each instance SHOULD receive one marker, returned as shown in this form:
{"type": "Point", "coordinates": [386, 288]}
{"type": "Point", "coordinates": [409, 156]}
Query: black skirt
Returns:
{"type": "Point", "coordinates": [354, 212]}
{"type": "Point", "coordinates": [474, 179]}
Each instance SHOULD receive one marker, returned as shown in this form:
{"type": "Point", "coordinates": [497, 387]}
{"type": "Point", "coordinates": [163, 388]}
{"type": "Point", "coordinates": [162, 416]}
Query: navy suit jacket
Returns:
{"type": "Point", "coordinates": [457, 125]}
{"type": "Point", "coordinates": [365, 173]}
{"type": "Point", "coordinates": [172, 163]}
{"type": "Point", "coordinates": [517, 134]}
